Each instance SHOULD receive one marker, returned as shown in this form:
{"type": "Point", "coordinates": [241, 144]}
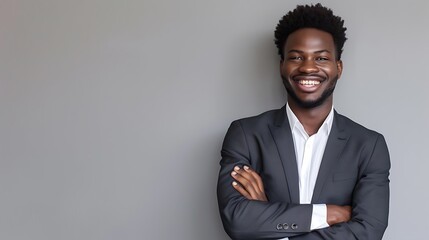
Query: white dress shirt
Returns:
{"type": "Point", "coordinates": [309, 152]}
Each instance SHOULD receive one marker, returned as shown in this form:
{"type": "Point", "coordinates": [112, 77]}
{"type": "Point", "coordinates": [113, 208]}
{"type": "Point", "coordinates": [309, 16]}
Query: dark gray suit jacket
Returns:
{"type": "Point", "coordinates": [354, 171]}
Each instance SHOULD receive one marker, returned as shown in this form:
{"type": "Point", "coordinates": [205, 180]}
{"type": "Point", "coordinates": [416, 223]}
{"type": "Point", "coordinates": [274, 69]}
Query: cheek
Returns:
{"type": "Point", "coordinates": [286, 70]}
{"type": "Point", "coordinates": [330, 70]}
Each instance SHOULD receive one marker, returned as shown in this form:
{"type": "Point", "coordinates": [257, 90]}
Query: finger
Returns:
{"type": "Point", "coordinates": [241, 190]}
{"type": "Point", "coordinates": [247, 178]}
{"type": "Point", "coordinates": [256, 177]}
{"type": "Point", "coordinates": [256, 181]}
{"type": "Point", "coordinates": [247, 175]}
{"type": "Point", "coordinates": [245, 183]}
{"type": "Point", "coordinates": [251, 186]}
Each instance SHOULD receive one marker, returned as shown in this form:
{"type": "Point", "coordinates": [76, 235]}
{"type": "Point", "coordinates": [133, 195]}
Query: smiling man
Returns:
{"type": "Point", "coordinates": [304, 171]}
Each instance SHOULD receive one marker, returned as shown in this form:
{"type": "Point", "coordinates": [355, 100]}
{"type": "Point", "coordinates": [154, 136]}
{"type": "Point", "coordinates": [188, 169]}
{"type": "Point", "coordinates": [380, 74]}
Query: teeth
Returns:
{"type": "Point", "coordinates": [309, 82]}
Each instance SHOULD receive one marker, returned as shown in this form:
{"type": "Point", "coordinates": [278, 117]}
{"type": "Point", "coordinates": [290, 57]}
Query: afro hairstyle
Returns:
{"type": "Point", "coordinates": [310, 16]}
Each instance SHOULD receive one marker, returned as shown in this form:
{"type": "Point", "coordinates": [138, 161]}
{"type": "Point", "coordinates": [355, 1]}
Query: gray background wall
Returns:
{"type": "Point", "coordinates": [113, 112]}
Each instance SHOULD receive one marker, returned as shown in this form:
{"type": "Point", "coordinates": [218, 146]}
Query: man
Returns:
{"type": "Point", "coordinates": [304, 171]}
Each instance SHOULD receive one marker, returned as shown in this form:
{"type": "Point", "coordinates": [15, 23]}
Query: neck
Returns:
{"type": "Point", "coordinates": [311, 118]}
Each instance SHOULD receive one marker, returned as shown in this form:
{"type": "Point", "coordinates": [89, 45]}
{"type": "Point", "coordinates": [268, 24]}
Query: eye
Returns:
{"type": "Point", "coordinates": [322, 59]}
{"type": "Point", "coordinates": [295, 58]}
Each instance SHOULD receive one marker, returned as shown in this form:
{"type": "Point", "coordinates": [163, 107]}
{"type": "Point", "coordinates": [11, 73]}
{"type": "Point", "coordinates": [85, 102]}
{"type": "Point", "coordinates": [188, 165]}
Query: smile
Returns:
{"type": "Point", "coordinates": [309, 82]}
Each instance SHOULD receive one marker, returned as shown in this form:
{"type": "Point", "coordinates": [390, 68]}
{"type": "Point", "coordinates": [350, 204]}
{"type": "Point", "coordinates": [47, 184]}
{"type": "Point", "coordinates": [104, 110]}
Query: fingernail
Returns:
{"type": "Point", "coordinates": [234, 173]}
{"type": "Point", "coordinates": [236, 168]}
{"type": "Point", "coordinates": [234, 183]}
{"type": "Point", "coordinates": [246, 168]}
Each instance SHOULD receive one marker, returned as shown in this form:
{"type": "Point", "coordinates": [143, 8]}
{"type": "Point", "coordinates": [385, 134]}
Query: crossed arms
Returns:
{"type": "Point", "coordinates": [248, 210]}
{"type": "Point", "coordinates": [249, 184]}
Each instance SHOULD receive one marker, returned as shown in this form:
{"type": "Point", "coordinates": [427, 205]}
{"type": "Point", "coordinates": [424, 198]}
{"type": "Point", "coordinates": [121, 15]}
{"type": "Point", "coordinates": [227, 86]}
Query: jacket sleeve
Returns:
{"type": "Point", "coordinates": [370, 206]}
{"type": "Point", "coordinates": [248, 219]}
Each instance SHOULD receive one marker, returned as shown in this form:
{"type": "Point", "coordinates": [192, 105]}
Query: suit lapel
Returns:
{"type": "Point", "coordinates": [334, 147]}
{"type": "Point", "coordinates": [282, 136]}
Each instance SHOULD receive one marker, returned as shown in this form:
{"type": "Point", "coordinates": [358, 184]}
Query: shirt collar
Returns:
{"type": "Point", "coordinates": [296, 124]}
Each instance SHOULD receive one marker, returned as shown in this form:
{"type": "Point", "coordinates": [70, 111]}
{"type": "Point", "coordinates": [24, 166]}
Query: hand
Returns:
{"type": "Point", "coordinates": [338, 214]}
{"type": "Point", "coordinates": [248, 183]}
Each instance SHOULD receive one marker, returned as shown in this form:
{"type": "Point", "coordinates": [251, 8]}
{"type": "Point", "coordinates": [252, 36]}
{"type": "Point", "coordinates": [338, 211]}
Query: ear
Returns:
{"type": "Point", "coordinates": [339, 68]}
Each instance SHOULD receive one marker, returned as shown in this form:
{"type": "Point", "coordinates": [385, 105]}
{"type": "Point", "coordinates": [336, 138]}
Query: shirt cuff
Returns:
{"type": "Point", "coordinates": [318, 218]}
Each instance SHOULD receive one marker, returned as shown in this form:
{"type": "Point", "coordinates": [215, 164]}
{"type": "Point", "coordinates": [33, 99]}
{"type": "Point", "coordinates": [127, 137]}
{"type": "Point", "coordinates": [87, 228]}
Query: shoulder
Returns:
{"type": "Point", "coordinates": [261, 120]}
{"type": "Point", "coordinates": [357, 130]}
{"type": "Point", "coordinates": [246, 130]}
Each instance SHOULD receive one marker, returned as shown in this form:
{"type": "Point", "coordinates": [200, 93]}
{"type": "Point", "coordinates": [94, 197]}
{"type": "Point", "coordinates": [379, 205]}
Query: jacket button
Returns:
{"type": "Point", "coordinates": [279, 226]}
{"type": "Point", "coordinates": [285, 226]}
{"type": "Point", "coordinates": [294, 226]}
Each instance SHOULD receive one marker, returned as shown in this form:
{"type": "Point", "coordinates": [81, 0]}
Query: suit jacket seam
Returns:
{"type": "Point", "coordinates": [245, 140]}
{"type": "Point", "coordinates": [372, 153]}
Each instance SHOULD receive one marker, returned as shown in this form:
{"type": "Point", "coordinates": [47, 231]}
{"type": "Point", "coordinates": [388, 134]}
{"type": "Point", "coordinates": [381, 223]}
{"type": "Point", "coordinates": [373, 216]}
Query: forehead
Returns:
{"type": "Point", "coordinates": [309, 40]}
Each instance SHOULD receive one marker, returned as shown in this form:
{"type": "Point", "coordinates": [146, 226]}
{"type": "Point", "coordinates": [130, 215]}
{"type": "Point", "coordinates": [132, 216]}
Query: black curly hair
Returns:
{"type": "Point", "coordinates": [311, 16]}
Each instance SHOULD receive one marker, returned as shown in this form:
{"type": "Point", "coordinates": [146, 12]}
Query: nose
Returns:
{"type": "Point", "coordinates": [308, 66]}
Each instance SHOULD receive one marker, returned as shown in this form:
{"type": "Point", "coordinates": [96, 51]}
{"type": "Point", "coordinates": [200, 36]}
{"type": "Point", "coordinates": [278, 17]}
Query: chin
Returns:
{"type": "Point", "coordinates": [308, 103]}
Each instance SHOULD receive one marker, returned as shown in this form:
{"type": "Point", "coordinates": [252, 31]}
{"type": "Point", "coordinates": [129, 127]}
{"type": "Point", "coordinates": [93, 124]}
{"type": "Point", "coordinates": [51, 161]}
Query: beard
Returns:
{"type": "Point", "coordinates": [312, 103]}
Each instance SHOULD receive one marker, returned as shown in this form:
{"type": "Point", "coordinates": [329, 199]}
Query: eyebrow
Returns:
{"type": "Point", "coordinates": [299, 51]}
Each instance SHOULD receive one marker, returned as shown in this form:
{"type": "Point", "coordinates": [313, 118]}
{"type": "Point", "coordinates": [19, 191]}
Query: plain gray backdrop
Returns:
{"type": "Point", "coordinates": [113, 112]}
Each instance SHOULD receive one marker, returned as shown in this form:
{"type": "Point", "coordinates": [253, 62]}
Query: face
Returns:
{"type": "Point", "coordinates": [310, 70]}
